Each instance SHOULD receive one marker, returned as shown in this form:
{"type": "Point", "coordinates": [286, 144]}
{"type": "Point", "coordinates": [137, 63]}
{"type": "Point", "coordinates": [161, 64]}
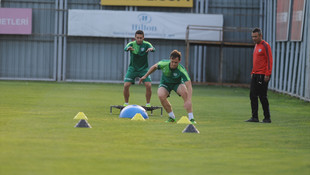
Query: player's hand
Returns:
{"type": "Point", "coordinates": [267, 78]}
{"type": "Point", "coordinates": [141, 79]}
{"type": "Point", "coordinates": [149, 49]}
{"type": "Point", "coordinates": [130, 48]}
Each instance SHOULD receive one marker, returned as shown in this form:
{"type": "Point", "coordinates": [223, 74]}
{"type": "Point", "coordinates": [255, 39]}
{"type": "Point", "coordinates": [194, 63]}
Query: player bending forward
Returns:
{"type": "Point", "coordinates": [174, 77]}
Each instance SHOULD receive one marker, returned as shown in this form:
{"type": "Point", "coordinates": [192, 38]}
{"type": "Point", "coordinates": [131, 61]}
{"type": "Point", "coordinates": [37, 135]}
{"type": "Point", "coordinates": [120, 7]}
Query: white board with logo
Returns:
{"type": "Point", "coordinates": [123, 24]}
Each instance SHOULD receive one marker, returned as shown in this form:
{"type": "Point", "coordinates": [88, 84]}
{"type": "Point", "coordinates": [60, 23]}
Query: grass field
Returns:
{"type": "Point", "coordinates": [37, 134]}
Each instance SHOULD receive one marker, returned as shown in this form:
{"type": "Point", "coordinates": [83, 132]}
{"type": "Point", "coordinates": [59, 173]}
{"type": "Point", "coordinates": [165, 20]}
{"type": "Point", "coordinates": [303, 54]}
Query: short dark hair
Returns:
{"type": "Point", "coordinates": [175, 54]}
{"type": "Point", "coordinates": [257, 30]}
{"type": "Point", "coordinates": [140, 32]}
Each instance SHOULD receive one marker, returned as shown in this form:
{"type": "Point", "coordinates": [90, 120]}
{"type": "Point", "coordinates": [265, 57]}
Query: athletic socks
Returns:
{"type": "Point", "coordinates": [171, 114]}
{"type": "Point", "coordinates": [190, 115]}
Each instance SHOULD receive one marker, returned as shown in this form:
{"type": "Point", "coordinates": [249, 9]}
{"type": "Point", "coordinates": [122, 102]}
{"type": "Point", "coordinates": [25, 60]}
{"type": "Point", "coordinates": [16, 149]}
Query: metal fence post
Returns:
{"type": "Point", "coordinates": [60, 48]}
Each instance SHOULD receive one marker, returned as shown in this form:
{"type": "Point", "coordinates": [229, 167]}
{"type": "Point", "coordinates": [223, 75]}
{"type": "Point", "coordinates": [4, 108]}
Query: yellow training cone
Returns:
{"type": "Point", "coordinates": [184, 120]}
{"type": "Point", "coordinates": [138, 116]}
{"type": "Point", "coordinates": [80, 116]}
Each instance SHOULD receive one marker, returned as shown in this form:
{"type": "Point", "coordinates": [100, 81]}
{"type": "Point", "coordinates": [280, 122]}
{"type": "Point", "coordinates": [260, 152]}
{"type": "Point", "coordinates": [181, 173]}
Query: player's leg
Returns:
{"type": "Point", "coordinates": [126, 91]}
{"type": "Point", "coordinates": [148, 93]}
{"type": "Point", "coordinates": [264, 100]}
{"type": "Point", "coordinates": [182, 91]}
{"type": "Point", "coordinates": [254, 100]}
{"type": "Point", "coordinates": [129, 79]}
{"type": "Point", "coordinates": [148, 86]}
{"type": "Point", "coordinates": [163, 95]}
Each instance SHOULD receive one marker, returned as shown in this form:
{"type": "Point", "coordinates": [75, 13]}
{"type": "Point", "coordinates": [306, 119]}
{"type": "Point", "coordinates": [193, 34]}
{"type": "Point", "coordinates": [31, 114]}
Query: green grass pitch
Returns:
{"type": "Point", "coordinates": [37, 134]}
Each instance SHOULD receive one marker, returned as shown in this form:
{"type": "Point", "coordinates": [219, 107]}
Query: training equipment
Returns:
{"type": "Point", "coordinates": [190, 129]}
{"type": "Point", "coordinates": [131, 110]}
{"type": "Point", "coordinates": [184, 120]}
{"type": "Point", "coordinates": [80, 115]}
{"type": "Point", "coordinates": [152, 108]}
{"type": "Point", "coordinates": [138, 116]}
{"type": "Point", "coordinates": [120, 107]}
{"type": "Point", "coordinates": [82, 124]}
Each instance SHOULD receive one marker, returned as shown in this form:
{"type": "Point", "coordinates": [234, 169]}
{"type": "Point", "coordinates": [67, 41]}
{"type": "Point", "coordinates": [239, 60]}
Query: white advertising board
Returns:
{"type": "Point", "coordinates": [122, 24]}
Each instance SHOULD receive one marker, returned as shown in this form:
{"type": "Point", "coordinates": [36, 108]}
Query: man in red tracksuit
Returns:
{"type": "Point", "coordinates": [260, 76]}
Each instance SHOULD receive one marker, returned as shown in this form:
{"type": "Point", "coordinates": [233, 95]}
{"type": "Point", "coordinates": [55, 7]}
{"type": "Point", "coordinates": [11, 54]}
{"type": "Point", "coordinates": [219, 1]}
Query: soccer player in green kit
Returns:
{"type": "Point", "coordinates": [138, 65]}
{"type": "Point", "coordinates": [174, 77]}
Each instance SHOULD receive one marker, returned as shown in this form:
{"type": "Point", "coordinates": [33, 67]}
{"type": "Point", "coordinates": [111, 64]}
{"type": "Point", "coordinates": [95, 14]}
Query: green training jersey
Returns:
{"type": "Point", "coordinates": [172, 76]}
{"type": "Point", "coordinates": [138, 57]}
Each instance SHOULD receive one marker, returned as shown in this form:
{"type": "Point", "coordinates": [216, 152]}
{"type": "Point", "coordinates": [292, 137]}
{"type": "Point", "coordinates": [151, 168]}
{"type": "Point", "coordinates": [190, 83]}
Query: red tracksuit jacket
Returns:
{"type": "Point", "coordinates": [262, 59]}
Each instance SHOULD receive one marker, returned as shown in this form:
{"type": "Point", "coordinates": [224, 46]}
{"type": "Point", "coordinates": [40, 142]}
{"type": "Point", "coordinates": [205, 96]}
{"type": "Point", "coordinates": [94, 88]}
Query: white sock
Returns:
{"type": "Point", "coordinates": [148, 104]}
{"type": "Point", "coordinates": [190, 115]}
{"type": "Point", "coordinates": [171, 114]}
{"type": "Point", "coordinates": [126, 103]}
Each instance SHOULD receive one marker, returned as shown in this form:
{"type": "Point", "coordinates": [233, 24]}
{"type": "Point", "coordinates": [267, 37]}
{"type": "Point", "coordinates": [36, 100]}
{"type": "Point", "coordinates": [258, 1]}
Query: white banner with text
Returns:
{"type": "Point", "coordinates": [123, 24]}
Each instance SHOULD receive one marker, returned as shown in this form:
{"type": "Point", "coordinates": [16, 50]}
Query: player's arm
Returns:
{"type": "Point", "coordinates": [151, 70]}
{"type": "Point", "coordinates": [150, 48]}
{"type": "Point", "coordinates": [269, 63]}
{"type": "Point", "coordinates": [129, 47]}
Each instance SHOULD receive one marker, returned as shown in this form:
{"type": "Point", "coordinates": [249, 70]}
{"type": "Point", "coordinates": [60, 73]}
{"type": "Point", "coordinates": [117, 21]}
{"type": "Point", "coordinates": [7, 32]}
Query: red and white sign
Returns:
{"type": "Point", "coordinates": [297, 20]}
{"type": "Point", "coordinates": [283, 16]}
{"type": "Point", "coordinates": [15, 21]}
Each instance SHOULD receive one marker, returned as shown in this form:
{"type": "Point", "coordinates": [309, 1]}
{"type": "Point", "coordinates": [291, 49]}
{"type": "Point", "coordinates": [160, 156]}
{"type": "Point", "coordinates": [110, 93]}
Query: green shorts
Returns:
{"type": "Point", "coordinates": [132, 74]}
{"type": "Point", "coordinates": [170, 87]}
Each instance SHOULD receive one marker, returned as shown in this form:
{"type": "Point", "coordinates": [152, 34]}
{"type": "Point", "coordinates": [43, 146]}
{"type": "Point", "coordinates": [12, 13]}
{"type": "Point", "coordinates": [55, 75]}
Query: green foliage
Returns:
{"type": "Point", "coordinates": [37, 134]}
